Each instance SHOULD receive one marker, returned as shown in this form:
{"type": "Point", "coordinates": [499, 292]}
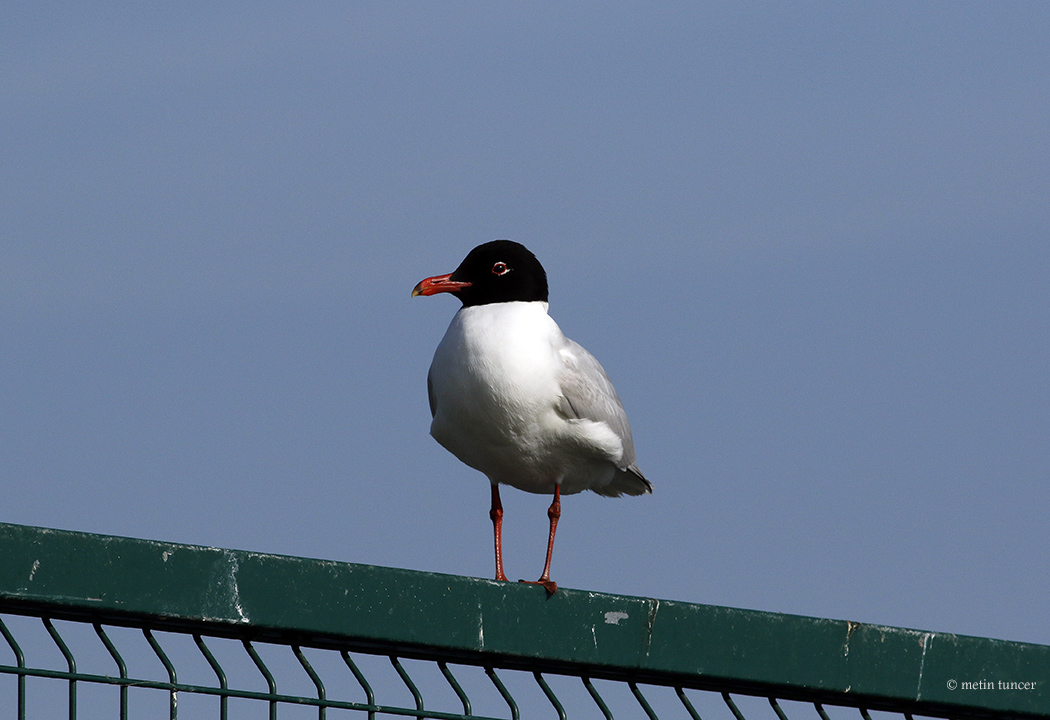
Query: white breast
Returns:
{"type": "Point", "coordinates": [494, 380]}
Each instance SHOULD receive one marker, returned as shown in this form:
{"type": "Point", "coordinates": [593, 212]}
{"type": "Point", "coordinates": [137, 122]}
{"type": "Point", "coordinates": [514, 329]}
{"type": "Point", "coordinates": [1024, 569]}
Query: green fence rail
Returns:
{"type": "Point", "coordinates": [116, 627]}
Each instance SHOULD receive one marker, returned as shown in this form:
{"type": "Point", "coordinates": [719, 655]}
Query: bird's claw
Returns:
{"type": "Point", "coordinates": [549, 585]}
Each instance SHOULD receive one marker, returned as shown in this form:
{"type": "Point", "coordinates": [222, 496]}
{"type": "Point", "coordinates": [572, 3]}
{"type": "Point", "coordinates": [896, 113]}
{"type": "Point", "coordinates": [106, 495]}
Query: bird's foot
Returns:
{"type": "Point", "coordinates": [501, 576]}
{"type": "Point", "coordinates": [549, 585]}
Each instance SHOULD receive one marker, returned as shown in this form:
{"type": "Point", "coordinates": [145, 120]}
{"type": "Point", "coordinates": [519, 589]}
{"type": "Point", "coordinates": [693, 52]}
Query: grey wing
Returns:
{"type": "Point", "coordinates": [587, 393]}
{"type": "Point", "coordinates": [430, 395]}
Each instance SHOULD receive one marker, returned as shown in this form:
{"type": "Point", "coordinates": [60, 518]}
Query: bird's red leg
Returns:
{"type": "Point", "coordinates": [553, 512]}
{"type": "Point", "coordinates": [496, 513]}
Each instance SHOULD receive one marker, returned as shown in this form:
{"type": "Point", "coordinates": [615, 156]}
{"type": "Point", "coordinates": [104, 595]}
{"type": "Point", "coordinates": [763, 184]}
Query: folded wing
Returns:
{"type": "Point", "coordinates": [588, 394]}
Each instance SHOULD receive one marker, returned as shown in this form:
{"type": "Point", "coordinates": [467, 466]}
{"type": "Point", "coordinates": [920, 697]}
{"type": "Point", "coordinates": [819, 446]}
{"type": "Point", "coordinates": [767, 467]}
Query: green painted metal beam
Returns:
{"type": "Point", "coordinates": [246, 594]}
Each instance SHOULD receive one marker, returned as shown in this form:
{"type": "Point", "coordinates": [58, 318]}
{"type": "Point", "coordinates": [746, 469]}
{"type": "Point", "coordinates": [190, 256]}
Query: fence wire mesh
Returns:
{"type": "Point", "coordinates": [64, 668]}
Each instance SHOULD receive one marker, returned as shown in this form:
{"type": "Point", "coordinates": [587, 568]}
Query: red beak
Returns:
{"type": "Point", "coordinates": [438, 284]}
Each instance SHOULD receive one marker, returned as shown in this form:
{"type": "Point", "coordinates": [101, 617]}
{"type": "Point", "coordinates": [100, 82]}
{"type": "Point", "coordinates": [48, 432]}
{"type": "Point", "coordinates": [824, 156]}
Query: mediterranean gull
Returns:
{"type": "Point", "coordinates": [511, 396]}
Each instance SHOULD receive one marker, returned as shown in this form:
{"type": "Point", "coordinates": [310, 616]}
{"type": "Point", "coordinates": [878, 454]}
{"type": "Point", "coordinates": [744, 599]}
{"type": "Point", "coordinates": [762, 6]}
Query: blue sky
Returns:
{"type": "Point", "coordinates": [809, 243]}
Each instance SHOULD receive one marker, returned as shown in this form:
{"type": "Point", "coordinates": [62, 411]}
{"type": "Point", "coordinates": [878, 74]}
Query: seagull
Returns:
{"type": "Point", "coordinates": [514, 398]}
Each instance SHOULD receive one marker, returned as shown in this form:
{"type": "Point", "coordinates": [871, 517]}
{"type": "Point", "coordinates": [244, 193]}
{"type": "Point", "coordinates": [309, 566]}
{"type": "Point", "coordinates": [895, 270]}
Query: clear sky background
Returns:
{"type": "Point", "coordinates": [809, 242]}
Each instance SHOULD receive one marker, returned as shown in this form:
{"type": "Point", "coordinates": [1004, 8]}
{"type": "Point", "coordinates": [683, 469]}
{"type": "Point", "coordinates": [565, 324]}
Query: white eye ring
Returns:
{"type": "Point", "coordinates": [500, 268]}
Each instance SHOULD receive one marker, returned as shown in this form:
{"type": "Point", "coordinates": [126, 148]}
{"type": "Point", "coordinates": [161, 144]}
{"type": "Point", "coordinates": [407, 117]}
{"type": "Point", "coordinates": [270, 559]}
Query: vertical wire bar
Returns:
{"type": "Point", "coordinates": [69, 661]}
{"type": "Point", "coordinates": [550, 695]}
{"type": "Point", "coordinates": [514, 714]}
{"type": "Point", "coordinates": [688, 705]}
{"type": "Point", "coordinates": [173, 696]}
{"type": "Point", "coordinates": [776, 709]}
{"type": "Point", "coordinates": [732, 706]}
{"type": "Point", "coordinates": [455, 686]}
{"type": "Point", "coordinates": [369, 695]}
{"type": "Point", "coordinates": [642, 701]}
{"type": "Point", "coordinates": [121, 668]}
{"type": "Point", "coordinates": [224, 699]}
{"type": "Point", "coordinates": [20, 661]}
{"type": "Point", "coordinates": [597, 698]}
{"type": "Point", "coordinates": [864, 714]}
{"type": "Point", "coordinates": [270, 682]}
{"type": "Point", "coordinates": [322, 708]}
{"type": "Point", "coordinates": [820, 711]}
{"type": "Point", "coordinates": [408, 682]}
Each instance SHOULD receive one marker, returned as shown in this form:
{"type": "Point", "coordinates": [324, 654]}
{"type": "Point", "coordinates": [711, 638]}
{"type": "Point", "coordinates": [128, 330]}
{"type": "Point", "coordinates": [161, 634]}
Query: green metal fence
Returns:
{"type": "Point", "coordinates": [115, 627]}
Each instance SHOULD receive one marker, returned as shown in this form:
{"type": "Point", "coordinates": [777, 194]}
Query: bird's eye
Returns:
{"type": "Point", "coordinates": [500, 268]}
